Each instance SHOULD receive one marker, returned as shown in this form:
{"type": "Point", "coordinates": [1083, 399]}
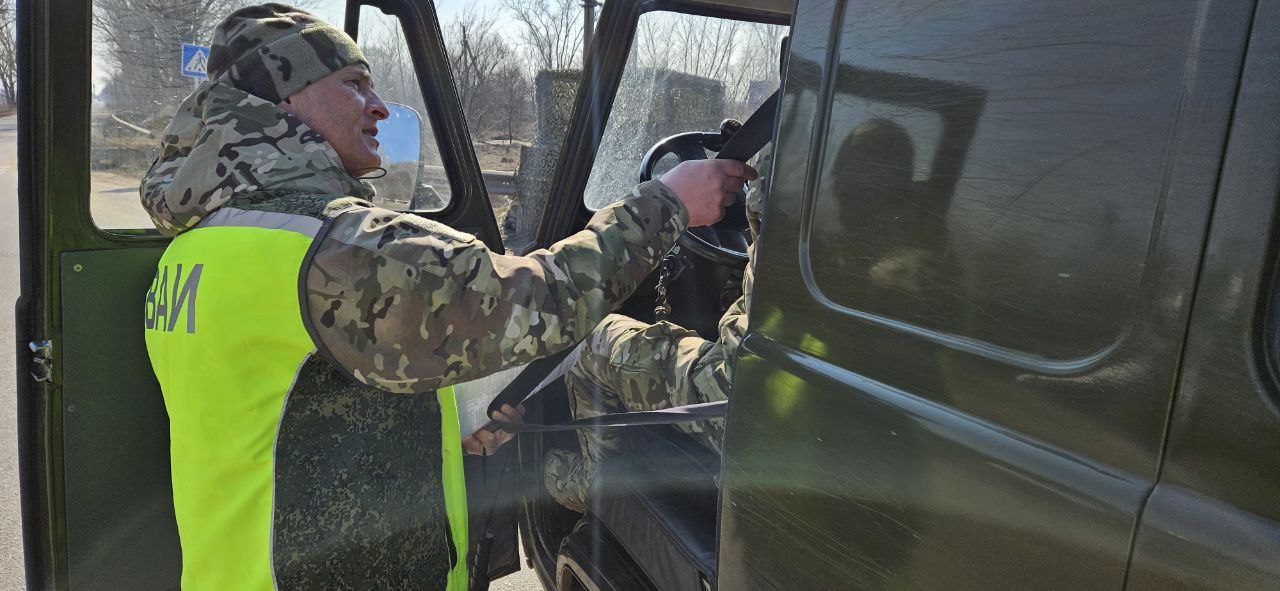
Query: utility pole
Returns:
{"type": "Point", "coordinates": [588, 26]}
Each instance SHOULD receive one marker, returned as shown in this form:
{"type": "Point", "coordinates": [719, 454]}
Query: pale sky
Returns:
{"type": "Point", "coordinates": [332, 10]}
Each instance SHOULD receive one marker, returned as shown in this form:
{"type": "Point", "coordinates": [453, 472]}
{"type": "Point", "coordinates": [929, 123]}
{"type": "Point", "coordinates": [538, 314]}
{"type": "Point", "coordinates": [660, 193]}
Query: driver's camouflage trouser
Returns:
{"type": "Point", "coordinates": [627, 366]}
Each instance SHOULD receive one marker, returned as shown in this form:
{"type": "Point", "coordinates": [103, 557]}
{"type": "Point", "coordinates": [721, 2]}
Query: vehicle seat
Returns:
{"type": "Point", "coordinates": [660, 501]}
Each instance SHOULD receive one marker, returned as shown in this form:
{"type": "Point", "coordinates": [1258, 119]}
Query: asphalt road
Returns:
{"type": "Point", "coordinates": [11, 573]}
{"type": "Point", "coordinates": [114, 205]}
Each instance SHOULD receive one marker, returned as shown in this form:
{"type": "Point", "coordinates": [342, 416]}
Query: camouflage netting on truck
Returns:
{"type": "Point", "coordinates": [554, 99]}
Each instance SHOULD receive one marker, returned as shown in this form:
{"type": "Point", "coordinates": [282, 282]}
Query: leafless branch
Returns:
{"type": "Point", "coordinates": [552, 32]}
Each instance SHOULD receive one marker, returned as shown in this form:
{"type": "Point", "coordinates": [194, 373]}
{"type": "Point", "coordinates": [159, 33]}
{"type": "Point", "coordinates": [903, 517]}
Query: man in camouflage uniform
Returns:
{"type": "Point", "coordinates": [397, 305]}
{"type": "Point", "coordinates": [628, 366]}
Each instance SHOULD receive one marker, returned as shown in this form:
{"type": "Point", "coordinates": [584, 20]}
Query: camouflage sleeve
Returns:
{"type": "Point", "coordinates": [653, 366]}
{"type": "Point", "coordinates": [756, 192]}
{"type": "Point", "coordinates": [408, 304]}
{"type": "Point", "coordinates": [661, 365]}
{"type": "Point", "coordinates": [733, 323]}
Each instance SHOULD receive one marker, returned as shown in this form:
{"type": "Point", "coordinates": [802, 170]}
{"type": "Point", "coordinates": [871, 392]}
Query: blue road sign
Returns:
{"type": "Point", "coordinates": [195, 59]}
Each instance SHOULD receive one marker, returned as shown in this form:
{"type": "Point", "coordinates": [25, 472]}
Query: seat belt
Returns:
{"type": "Point", "coordinates": [529, 379]}
{"type": "Point", "coordinates": [755, 132]}
{"type": "Point", "coordinates": [676, 414]}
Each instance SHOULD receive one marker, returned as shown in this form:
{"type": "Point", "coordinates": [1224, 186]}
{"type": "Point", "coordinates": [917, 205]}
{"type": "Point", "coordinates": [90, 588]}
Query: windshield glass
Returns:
{"type": "Point", "coordinates": [684, 73]}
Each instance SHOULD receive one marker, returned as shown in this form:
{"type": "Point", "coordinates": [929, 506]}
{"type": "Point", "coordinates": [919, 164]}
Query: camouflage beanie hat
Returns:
{"type": "Point", "coordinates": [273, 50]}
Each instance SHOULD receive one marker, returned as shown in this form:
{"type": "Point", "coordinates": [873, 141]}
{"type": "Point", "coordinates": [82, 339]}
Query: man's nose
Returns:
{"type": "Point", "coordinates": [376, 108]}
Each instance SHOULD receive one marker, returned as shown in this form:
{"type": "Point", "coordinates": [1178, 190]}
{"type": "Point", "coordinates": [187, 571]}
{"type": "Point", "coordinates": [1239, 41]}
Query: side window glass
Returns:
{"type": "Point", "coordinates": [138, 82]}
{"type": "Point", "coordinates": [382, 40]}
{"type": "Point", "coordinates": [997, 192]}
{"type": "Point", "coordinates": [516, 66]}
{"type": "Point", "coordinates": [684, 73]}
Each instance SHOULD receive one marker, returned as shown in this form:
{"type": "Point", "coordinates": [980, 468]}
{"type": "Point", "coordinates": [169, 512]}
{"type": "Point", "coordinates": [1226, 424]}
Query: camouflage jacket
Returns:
{"type": "Point", "coordinates": [398, 305]}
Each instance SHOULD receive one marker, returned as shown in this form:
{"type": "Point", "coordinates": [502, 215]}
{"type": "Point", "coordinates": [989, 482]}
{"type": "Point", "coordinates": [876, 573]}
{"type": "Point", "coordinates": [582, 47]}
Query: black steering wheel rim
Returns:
{"type": "Point", "coordinates": [693, 145]}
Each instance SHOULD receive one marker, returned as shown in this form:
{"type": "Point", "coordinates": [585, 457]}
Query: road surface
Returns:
{"type": "Point", "coordinates": [11, 570]}
{"type": "Point", "coordinates": [114, 204]}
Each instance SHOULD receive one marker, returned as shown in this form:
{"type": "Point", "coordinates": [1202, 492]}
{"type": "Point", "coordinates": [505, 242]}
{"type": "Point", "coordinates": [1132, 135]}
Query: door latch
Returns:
{"type": "Point", "coordinates": [41, 360]}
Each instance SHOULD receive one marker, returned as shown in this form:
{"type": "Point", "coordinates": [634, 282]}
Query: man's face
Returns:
{"type": "Point", "coordinates": [344, 109]}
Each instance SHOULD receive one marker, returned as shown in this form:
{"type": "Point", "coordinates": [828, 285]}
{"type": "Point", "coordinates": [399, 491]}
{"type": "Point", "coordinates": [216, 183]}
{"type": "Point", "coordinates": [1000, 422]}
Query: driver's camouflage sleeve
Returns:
{"type": "Point", "coordinates": [628, 366]}
{"type": "Point", "coordinates": [408, 304]}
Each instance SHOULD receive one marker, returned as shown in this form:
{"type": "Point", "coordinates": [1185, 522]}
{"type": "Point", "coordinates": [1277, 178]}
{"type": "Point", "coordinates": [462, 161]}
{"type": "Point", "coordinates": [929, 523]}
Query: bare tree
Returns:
{"type": "Point", "coordinates": [8, 54]}
{"type": "Point", "coordinates": [735, 53]}
{"type": "Point", "coordinates": [477, 53]}
{"type": "Point", "coordinates": [515, 93]}
{"type": "Point", "coordinates": [757, 66]}
{"type": "Point", "coordinates": [653, 47]}
{"type": "Point", "coordinates": [384, 46]}
{"type": "Point", "coordinates": [705, 45]}
{"type": "Point", "coordinates": [698, 45]}
{"type": "Point", "coordinates": [552, 32]}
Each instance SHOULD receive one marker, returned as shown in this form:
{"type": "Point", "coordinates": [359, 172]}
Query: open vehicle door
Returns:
{"type": "Point", "coordinates": [96, 495]}
{"type": "Point", "coordinates": [654, 69]}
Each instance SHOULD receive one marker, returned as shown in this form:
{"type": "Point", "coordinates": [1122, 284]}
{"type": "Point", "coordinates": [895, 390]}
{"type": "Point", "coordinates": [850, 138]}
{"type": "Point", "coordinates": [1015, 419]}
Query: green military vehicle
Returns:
{"type": "Point", "coordinates": [1013, 325]}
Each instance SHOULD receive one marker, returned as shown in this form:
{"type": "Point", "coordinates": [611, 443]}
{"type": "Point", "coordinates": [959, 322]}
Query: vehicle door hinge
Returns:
{"type": "Point", "coordinates": [41, 360]}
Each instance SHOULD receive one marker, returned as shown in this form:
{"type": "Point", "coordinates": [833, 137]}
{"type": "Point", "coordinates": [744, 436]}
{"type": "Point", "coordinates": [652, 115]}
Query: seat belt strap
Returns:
{"type": "Point", "coordinates": [667, 416]}
{"type": "Point", "coordinates": [529, 379]}
{"type": "Point", "coordinates": [755, 132]}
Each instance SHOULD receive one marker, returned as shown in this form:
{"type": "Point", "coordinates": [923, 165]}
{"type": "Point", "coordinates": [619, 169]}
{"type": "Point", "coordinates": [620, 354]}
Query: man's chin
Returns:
{"type": "Point", "coordinates": [364, 167]}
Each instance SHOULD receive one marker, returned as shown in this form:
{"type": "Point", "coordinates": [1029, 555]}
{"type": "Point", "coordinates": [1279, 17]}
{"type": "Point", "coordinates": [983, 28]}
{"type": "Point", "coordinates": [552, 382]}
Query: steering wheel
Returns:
{"type": "Point", "coordinates": [707, 241]}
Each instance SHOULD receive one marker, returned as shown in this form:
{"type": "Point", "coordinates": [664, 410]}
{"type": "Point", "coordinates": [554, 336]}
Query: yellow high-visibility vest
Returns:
{"type": "Point", "coordinates": [226, 338]}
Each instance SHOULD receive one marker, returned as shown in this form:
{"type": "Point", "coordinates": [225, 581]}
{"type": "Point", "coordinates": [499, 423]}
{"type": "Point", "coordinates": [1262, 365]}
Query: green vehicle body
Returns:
{"type": "Point", "coordinates": [1135, 444]}
{"type": "Point", "coordinates": [1085, 395]}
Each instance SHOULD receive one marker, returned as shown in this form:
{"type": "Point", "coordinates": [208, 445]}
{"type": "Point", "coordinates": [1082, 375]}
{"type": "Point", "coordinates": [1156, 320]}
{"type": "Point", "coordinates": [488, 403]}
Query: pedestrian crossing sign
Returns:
{"type": "Point", "coordinates": [195, 59]}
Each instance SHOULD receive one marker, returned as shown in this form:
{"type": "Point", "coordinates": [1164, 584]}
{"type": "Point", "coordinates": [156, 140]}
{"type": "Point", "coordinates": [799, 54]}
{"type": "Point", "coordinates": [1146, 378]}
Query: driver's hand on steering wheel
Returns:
{"type": "Point", "coordinates": [706, 187]}
{"type": "Point", "coordinates": [490, 437]}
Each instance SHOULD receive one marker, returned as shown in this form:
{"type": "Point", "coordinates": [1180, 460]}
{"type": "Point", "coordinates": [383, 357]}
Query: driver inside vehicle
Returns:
{"type": "Point", "coordinates": [629, 366]}
{"type": "Point", "coordinates": [625, 365]}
